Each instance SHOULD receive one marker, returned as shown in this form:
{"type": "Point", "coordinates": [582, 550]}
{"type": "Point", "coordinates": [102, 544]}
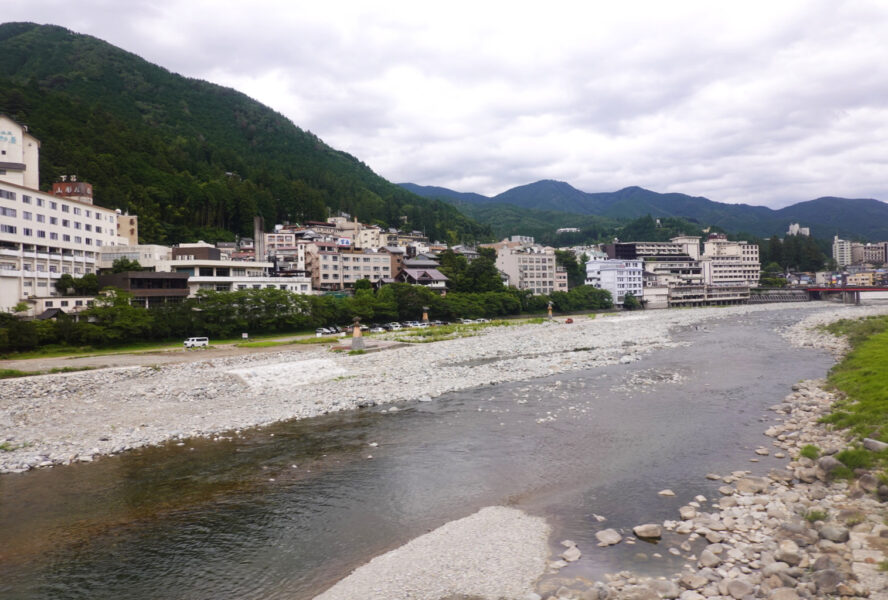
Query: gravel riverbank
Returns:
{"type": "Point", "coordinates": [59, 419]}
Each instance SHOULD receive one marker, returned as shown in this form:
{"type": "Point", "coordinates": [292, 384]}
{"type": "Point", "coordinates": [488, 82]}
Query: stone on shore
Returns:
{"type": "Point", "coordinates": [648, 531]}
{"type": "Point", "coordinates": [874, 445]}
{"type": "Point", "coordinates": [608, 537]}
{"type": "Point", "coordinates": [572, 554]}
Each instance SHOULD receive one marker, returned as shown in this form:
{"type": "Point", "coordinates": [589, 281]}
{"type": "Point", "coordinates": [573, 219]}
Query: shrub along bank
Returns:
{"type": "Point", "coordinates": [113, 321]}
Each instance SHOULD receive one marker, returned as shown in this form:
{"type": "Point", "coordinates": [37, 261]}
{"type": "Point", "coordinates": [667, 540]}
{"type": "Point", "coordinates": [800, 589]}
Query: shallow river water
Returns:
{"type": "Point", "coordinates": [285, 511]}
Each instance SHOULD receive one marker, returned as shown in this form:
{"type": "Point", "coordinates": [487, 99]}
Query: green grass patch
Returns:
{"type": "Point", "coordinates": [356, 352]}
{"type": "Point", "coordinates": [6, 447]}
{"type": "Point", "coordinates": [316, 340]}
{"type": "Point", "coordinates": [856, 458]}
{"type": "Point", "coordinates": [816, 515]}
{"type": "Point", "coordinates": [268, 344]}
{"type": "Point", "coordinates": [810, 451]}
{"type": "Point", "coordinates": [858, 330]}
{"type": "Point", "coordinates": [12, 373]}
{"type": "Point", "coordinates": [863, 380]}
{"type": "Point", "coordinates": [69, 369]}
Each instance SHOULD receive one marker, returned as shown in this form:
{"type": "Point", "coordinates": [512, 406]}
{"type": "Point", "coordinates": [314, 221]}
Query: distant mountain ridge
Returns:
{"type": "Point", "coordinates": [827, 216]}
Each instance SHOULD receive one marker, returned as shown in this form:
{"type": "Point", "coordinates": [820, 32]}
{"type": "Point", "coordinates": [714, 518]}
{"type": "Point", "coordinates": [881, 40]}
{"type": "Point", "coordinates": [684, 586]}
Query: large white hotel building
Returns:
{"type": "Point", "coordinates": [43, 235]}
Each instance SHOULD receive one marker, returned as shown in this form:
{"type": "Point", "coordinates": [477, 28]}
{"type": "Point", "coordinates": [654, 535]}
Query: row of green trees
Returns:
{"type": "Point", "coordinates": [113, 321]}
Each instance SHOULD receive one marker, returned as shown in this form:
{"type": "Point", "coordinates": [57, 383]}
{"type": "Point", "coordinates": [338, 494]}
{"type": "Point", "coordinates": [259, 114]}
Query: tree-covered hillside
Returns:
{"type": "Point", "coordinates": [191, 158]}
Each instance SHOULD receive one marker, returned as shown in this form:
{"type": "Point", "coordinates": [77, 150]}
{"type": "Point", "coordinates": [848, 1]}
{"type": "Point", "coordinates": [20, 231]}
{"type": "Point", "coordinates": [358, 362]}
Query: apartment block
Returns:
{"type": "Point", "coordinates": [528, 267]}
{"type": "Point", "coordinates": [619, 277]}
{"type": "Point", "coordinates": [366, 264]}
{"type": "Point", "coordinates": [841, 252]}
{"type": "Point", "coordinates": [730, 262]}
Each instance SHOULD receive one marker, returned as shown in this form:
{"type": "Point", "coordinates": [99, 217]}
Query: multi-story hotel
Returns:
{"type": "Point", "coordinates": [44, 235]}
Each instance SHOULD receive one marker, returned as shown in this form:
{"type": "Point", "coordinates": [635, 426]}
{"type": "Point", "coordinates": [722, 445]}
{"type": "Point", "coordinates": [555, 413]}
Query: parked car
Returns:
{"type": "Point", "coordinates": [393, 326]}
{"type": "Point", "coordinates": [482, 320]}
{"type": "Point", "coordinates": [377, 329]}
{"type": "Point", "coordinates": [197, 342]}
{"type": "Point", "coordinates": [323, 331]}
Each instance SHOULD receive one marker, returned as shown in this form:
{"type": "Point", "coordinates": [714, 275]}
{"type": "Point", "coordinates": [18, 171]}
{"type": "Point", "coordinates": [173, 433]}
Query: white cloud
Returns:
{"type": "Point", "coordinates": [764, 103]}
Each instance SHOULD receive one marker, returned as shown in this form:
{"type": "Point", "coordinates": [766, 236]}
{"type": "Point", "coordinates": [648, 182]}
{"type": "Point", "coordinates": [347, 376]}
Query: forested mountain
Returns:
{"type": "Point", "coordinates": [864, 219]}
{"type": "Point", "coordinates": [191, 158]}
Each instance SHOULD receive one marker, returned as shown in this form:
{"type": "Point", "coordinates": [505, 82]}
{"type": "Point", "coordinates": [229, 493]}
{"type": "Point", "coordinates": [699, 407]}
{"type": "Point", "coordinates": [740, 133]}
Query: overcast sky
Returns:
{"type": "Point", "coordinates": [758, 102]}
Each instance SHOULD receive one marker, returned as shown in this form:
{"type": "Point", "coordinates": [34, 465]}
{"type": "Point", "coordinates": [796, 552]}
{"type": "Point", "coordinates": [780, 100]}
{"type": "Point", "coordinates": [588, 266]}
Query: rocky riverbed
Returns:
{"type": "Point", "coordinates": [58, 419]}
{"type": "Point", "coordinates": [796, 533]}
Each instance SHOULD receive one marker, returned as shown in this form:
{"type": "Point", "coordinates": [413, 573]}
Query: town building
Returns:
{"type": "Point", "coordinates": [149, 288]}
{"type": "Point", "coordinates": [796, 229]}
{"type": "Point", "coordinates": [863, 279]}
{"type": "Point", "coordinates": [529, 267]}
{"type": "Point", "coordinates": [729, 262]}
{"type": "Point", "coordinates": [208, 269]}
{"type": "Point", "coordinates": [43, 235]}
{"type": "Point", "coordinates": [617, 276]}
{"type": "Point", "coordinates": [364, 264]}
{"type": "Point", "coordinates": [322, 263]}
{"type": "Point", "coordinates": [841, 252]}
{"type": "Point", "coordinates": [875, 254]}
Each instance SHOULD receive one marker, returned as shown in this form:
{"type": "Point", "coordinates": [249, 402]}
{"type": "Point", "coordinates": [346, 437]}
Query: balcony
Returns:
{"type": "Point", "coordinates": [10, 252]}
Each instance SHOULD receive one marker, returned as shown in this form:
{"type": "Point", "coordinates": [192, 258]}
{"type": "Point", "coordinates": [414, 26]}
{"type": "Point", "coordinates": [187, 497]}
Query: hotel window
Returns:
{"type": "Point", "coordinates": [41, 234]}
{"type": "Point", "coordinates": [53, 205]}
{"type": "Point", "coordinates": [66, 223]}
{"type": "Point", "coordinates": [28, 231]}
{"type": "Point", "coordinates": [26, 199]}
{"type": "Point", "coordinates": [7, 229]}
{"type": "Point", "coordinates": [77, 210]}
{"type": "Point", "coordinates": [53, 235]}
{"type": "Point", "coordinates": [76, 224]}
{"type": "Point", "coordinates": [26, 215]}
{"type": "Point", "coordinates": [66, 208]}
{"type": "Point", "coordinates": [7, 195]}
{"type": "Point", "coordinates": [66, 237]}
{"type": "Point", "coordinates": [7, 212]}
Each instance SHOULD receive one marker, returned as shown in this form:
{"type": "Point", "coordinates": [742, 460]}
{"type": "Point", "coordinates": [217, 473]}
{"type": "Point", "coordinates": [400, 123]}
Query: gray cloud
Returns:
{"type": "Point", "coordinates": [763, 103]}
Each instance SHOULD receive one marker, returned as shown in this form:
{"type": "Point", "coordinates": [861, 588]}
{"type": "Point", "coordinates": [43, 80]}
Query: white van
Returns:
{"type": "Point", "coordinates": [197, 342]}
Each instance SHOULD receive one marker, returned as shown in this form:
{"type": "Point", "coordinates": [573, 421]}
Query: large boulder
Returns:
{"type": "Point", "coordinates": [874, 445]}
{"type": "Point", "coordinates": [752, 485]}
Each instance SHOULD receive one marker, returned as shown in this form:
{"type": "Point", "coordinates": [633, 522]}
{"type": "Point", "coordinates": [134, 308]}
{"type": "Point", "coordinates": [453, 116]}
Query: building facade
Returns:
{"type": "Point", "coordinates": [841, 252]}
{"type": "Point", "coordinates": [43, 235]}
{"type": "Point", "coordinates": [619, 277]}
{"type": "Point", "coordinates": [528, 267]}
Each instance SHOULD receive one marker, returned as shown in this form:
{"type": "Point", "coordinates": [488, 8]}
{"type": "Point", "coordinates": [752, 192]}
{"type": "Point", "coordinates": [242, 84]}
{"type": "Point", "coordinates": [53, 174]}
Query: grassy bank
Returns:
{"type": "Point", "coordinates": [862, 380]}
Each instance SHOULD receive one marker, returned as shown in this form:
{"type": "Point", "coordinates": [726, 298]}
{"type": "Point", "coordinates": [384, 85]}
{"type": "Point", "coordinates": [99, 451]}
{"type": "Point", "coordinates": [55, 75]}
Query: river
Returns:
{"type": "Point", "coordinates": [285, 511]}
